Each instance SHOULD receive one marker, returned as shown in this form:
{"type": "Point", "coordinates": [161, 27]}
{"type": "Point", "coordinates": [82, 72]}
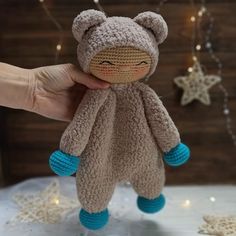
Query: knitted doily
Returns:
{"type": "Point", "coordinates": [47, 206]}
{"type": "Point", "coordinates": [219, 226]}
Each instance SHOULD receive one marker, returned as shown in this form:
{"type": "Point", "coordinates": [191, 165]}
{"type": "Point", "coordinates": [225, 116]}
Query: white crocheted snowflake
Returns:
{"type": "Point", "coordinates": [219, 226]}
{"type": "Point", "coordinates": [47, 206]}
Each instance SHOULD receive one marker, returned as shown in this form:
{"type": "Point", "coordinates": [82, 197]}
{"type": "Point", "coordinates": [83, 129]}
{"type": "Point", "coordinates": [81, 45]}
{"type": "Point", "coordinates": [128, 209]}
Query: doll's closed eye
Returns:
{"type": "Point", "coordinates": [142, 63]}
{"type": "Point", "coordinates": [106, 63]}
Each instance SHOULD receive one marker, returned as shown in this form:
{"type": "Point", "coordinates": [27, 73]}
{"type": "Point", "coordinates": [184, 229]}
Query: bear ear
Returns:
{"type": "Point", "coordinates": [85, 20]}
{"type": "Point", "coordinates": [153, 22]}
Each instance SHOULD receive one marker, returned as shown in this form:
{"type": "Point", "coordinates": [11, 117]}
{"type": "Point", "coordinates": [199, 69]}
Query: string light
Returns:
{"type": "Point", "coordinates": [99, 6]}
{"type": "Point", "coordinates": [226, 111]}
{"type": "Point", "coordinates": [186, 203]}
{"type": "Point", "coordinates": [212, 199]}
{"type": "Point", "coordinates": [59, 28]}
{"type": "Point", "coordinates": [198, 47]}
{"type": "Point", "coordinates": [158, 10]}
{"type": "Point", "coordinates": [208, 45]}
{"type": "Point", "coordinates": [200, 13]}
{"type": "Point", "coordinates": [203, 9]}
{"type": "Point", "coordinates": [216, 59]}
{"type": "Point", "coordinates": [56, 201]}
{"type": "Point", "coordinates": [193, 19]}
{"type": "Point", "coordinates": [190, 69]}
{"type": "Point", "coordinates": [58, 47]}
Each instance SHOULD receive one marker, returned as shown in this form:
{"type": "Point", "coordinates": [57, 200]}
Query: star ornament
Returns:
{"type": "Point", "coordinates": [47, 206]}
{"type": "Point", "coordinates": [219, 226]}
{"type": "Point", "coordinates": [196, 85]}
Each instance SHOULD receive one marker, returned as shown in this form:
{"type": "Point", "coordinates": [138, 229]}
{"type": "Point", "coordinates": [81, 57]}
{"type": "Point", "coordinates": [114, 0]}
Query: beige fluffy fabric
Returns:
{"type": "Point", "coordinates": [96, 32]}
{"type": "Point", "coordinates": [119, 134]}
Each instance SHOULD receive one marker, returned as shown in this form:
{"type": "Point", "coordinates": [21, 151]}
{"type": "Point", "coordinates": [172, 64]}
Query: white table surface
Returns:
{"type": "Point", "coordinates": [126, 219]}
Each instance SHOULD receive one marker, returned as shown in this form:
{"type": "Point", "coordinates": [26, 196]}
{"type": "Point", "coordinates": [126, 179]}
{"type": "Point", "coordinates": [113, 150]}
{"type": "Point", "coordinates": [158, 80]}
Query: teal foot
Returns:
{"type": "Point", "coordinates": [94, 221]}
{"type": "Point", "coordinates": [151, 206]}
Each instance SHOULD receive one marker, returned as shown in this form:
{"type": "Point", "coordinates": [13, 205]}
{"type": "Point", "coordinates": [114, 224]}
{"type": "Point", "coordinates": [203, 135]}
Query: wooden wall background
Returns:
{"type": "Point", "coordinates": [28, 39]}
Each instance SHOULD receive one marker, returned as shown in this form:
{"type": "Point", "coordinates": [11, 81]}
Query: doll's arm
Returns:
{"type": "Point", "coordinates": [65, 161]}
{"type": "Point", "coordinates": [164, 129]}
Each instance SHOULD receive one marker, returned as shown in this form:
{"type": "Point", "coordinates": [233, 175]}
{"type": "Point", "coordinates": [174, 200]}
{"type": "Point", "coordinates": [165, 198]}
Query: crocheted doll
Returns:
{"type": "Point", "coordinates": [123, 132]}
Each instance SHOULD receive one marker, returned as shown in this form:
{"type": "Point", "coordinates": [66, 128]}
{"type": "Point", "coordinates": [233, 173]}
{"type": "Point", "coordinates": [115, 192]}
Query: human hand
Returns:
{"type": "Point", "coordinates": [56, 91]}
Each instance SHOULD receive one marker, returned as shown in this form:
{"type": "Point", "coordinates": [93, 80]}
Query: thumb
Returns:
{"type": "Point", "coordinates": [88, 80]}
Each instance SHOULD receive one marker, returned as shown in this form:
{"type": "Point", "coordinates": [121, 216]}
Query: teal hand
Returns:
{"type": "Point", "coordinates": [63, 164]}
{"type": "Point", "coordinates": [178, 155]}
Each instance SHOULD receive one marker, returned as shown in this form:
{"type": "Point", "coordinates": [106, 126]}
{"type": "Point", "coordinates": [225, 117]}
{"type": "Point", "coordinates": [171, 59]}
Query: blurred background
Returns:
{"type": "Point", "coordinates": [36, 33]}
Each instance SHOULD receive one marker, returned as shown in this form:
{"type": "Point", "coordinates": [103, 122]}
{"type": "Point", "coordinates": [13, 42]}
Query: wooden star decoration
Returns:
{"type": "Point", "coordinates": [47, 206]}
{"type": "Point", "coordinates": [196, 85]}
{"type": "Point", "coordinates": [219, 226]}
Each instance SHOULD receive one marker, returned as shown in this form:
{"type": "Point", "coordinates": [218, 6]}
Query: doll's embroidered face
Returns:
{"type": "Point", "coordinates": [120, 64]}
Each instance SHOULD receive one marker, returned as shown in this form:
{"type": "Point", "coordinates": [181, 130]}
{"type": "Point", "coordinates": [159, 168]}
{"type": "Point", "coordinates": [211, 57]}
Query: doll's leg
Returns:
{"type": "Point", "coordinates": [94, 197]}
{"type": "Point", "coordinates": [148, 185]}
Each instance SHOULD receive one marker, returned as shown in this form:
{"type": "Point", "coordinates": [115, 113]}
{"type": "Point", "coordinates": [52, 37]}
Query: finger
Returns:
{"type": "Point", "coordinates": [92, 82]}
{"type": "Point", "coordinates": [89, 80]}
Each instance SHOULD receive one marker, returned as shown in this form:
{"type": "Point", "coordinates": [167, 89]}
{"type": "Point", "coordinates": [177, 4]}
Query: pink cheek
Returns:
{"type": "Point", "coordinates": [106, 71]}
{"type": "Point", "coordinates": [140, 71]}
